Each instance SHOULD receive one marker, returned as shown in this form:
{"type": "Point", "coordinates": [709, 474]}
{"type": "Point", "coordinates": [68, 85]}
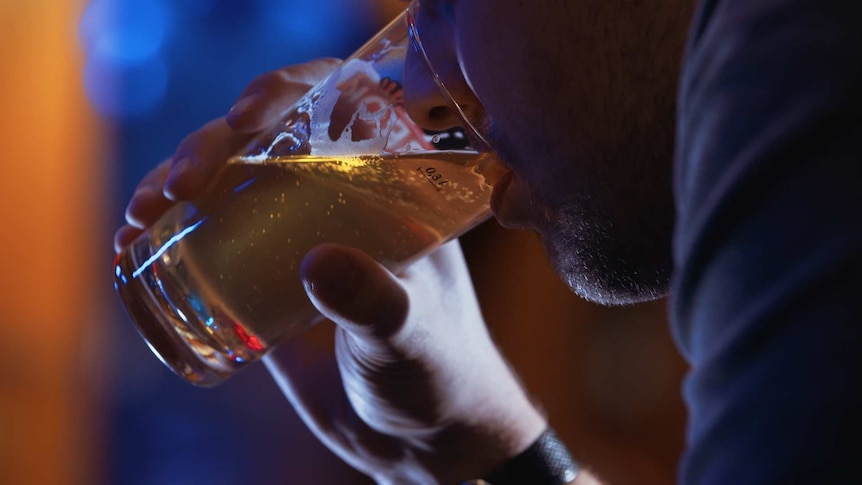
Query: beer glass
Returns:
{"type": "Point", "coordinates": [215, 284]}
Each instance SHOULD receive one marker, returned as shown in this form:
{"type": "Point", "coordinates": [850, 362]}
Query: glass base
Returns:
{"type": "Point", "coordinates": [165, 328]}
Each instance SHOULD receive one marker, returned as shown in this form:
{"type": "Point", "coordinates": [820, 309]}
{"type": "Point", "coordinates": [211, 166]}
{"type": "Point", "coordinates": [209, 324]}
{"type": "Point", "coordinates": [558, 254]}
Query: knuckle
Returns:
{"type": "Point", "coordinates": [194, 141]}
{"type": "Point", "coordinates": [309, 73]}
{"type": "Point", "coordinates": [270, 79]}
{"type": "Point", "coordinates": [187, 145]}
{"type": "Point", "coordinates": [156, 176]}
{"type": "Point", "coordinates": [290, 77]}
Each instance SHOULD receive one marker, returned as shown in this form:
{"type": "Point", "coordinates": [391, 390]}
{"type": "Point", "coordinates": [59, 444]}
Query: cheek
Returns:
{"type": "Point", "coordinates": [504, 63]}
{"type": "Point", "coordinates": [495, 43]}
{"type": "Point", "coordinates": [490, 65]}
{"type": "Point", "coordinates": [486, 64]}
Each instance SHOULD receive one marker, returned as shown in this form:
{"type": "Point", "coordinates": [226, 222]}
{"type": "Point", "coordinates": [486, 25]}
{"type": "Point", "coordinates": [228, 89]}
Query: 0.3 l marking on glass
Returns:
{"type": "Point", "coordinates": [435, 179]}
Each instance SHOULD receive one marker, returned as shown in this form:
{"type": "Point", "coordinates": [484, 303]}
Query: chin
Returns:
{"type": "Point", "coordinates": [595, 261]}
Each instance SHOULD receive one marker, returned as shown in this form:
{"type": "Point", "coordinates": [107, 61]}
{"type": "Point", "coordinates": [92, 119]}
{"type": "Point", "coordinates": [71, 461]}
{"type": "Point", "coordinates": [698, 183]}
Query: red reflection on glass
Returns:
{"type": "Point", "coordinates": [250, 341]}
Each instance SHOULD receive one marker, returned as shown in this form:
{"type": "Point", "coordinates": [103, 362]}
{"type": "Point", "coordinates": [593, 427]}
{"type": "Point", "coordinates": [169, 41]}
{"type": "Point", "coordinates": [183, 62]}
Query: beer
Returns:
{"type": "Point", "coordinates": [221, 273]}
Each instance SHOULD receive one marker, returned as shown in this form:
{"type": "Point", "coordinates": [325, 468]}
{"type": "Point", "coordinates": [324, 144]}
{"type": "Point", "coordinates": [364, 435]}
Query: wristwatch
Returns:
{"type": "Point", "coordinates": [546, 462]}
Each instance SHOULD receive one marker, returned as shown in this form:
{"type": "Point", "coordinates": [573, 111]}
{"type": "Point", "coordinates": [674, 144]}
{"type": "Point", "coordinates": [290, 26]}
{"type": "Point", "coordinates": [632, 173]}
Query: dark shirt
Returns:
{"type": "Point", "coordinates": [767, 300]}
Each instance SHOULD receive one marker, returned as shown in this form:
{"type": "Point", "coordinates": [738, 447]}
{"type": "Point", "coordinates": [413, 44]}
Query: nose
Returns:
{"type": "Point", "coordinates": [434, 88]}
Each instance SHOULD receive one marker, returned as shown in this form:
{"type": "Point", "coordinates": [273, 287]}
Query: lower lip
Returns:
{"type": "Point", "coordinates": [500, 191]}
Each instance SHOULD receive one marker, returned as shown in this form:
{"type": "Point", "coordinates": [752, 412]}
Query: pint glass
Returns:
{"type": "Point", "coordinates": [215, 282]}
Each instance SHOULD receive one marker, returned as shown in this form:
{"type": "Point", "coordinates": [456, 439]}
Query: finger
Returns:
{"type": "Point", "coordinates": [198, 157]}
{"type": "Point", "coordinates": [146, 206]}
{"type": "Point", "coordinates": [267, 98]}
{"type": "Point", "coordinates": [355, 292]}
{"type": "Point", "coordinates": [148, 203]}
{"type": "Point", "coordinates": [156, 176]}
{"type": "Point", "coordinates": [124, 236]}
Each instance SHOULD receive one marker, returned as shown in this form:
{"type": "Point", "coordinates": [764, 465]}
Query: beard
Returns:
{"type": "Point", "coordinates": [604, 208]}
{"type": "Point", "coordinates": [606, 260]}
{"type": "Point", "coordinates": [610, 241]}
{"type": "Point", "coordinates": [606, 226]}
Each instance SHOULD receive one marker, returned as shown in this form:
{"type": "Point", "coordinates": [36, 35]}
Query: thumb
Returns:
{"type": "Point", "coordinates": [354, 291]}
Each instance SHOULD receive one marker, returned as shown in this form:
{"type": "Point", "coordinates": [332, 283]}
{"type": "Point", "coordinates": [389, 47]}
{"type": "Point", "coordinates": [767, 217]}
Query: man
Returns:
{"type": "Point", "coordinates": [762, 250]}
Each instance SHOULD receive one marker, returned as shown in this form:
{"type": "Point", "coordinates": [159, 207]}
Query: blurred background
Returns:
{"type": "Point", "coordinates": [93, 94]}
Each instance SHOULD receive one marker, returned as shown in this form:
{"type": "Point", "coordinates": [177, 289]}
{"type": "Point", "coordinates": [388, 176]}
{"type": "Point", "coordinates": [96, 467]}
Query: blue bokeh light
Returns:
{"type": "Point", "coordinates": [125, 31]}
{"type": "Point", "coordinates": [125, 91]}
{"type": "Point", "coordinates": [195, 8]}
{"type": "Point", "coordinates": [125, 74]}
{"type": "Point", "coordinates": [316, 29]}
{"type": "Point", "coordinates": [157, 70]}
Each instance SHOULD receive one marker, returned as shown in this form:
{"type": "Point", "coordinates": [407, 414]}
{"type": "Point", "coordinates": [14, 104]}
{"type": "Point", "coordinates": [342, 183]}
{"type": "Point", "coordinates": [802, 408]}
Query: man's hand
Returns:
{"type": "Point", "coordinates": [202, 153]}
{"type": "Point", "coordinates": [416, 391]}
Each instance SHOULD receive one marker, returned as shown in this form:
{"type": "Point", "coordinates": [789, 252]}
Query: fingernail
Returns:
{"type": "Point", "coordinates": [327, 277]}
{"type": "Point", "coordinates": [141, 198]}
{"type": "Point", "coordinates": [180, 170]}
{"type": "Point", "coordinates": [142, 194]}
{"type": "Point", "coordinates": [242, 106]}
{"type": "Point", "coordinates": [122, 238]}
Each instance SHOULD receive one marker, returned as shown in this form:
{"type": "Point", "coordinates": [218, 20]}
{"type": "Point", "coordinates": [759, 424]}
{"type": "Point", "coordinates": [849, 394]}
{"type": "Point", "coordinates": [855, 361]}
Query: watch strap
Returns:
{"type": "Point", "coordinates": [546, 462]}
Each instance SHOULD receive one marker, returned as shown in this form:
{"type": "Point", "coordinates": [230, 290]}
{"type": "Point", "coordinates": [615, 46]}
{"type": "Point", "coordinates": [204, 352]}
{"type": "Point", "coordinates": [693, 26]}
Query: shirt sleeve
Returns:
{"type": "Point", "coordinates": [767, 293]}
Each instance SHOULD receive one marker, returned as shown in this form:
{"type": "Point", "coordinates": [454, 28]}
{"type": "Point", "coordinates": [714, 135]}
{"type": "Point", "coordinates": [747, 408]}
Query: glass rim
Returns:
{"type": "Point", "coordinates": [416, 42]}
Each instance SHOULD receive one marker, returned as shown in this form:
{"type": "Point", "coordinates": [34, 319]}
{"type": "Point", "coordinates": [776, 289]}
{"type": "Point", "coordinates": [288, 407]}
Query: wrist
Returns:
{"type": "Point", "coordinates": [504, 419]}
{"type": "Point", "coordinates": [473, 448]}
{"type": "Point", "coordinates": [468, 444]}
{"type": "Point", "coordinates": [492, 431]}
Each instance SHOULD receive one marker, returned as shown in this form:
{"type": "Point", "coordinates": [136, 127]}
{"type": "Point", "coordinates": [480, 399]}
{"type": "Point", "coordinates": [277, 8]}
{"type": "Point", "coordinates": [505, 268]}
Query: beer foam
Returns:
{"type": "Point", "coordinates": [266, 154]}
{"type": "Point", "coordinates": [358, 82]}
